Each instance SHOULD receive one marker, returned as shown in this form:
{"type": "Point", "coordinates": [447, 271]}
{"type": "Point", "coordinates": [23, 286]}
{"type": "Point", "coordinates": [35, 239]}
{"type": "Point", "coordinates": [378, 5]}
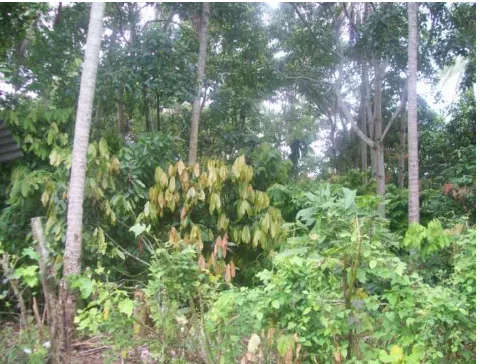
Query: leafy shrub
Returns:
{"type": "Point", "coordinates": [341, 293]}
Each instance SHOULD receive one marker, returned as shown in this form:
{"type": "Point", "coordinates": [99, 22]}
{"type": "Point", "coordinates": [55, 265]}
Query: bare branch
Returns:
{"type": "Point", "coordinates": [122, 33]}
{"type": "Point", "coordinates": [168, 21]}
{"type": "Point", "coordinates": [344, 109]}
{"type": "Point", "coordinates": [399, 108]}
{"type": "Point", "coordinates": [303, 78]}
{"type": "Point", "coordinates": [352, 23]}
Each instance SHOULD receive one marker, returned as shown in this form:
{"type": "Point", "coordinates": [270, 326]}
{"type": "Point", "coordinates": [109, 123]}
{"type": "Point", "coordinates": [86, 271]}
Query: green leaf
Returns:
{"type": "Point", "coordinates": [138, 229]}
{"type": "Point", "coordinates": [306, 311]}
{"type": "Point", "coordinates": [126, 306]}
{"type": "Point", "coordinates": [85, 285]}
{"type": "Point", "coordinates": [284, 343]}
{"type": "Point", "coordinates": [372, 264]}
{"type": "Point", "coordinates": [349, 197]}
{"type": "Point", "coordinates": [31, 253]}
{"type": "Point", "coordinates": [418, 351]}
{"type": "Point", "coordinates": [103, 147]}
{"type": "Point", "coordinates": [276, 304]}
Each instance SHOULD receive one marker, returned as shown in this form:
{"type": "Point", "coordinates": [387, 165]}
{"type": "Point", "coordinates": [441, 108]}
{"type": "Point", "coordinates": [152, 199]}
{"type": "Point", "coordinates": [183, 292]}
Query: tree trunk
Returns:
{"type": "Point", "coordinates": [158, 112]}
{"type": "Point", "coordinates": [377, 131]}
{"type": "Point", "coordinates": [413, 180]}
{"type": "Point", "coordinates": [146, 109]}
{"type": "Point", "coordinates": [202, 55]}
{"type": "Point", "coordinates": [73, 243]}
{"type": "Point", "coordinates": [122, 130]}
{"type": "Point", "coordinates": [363, 125]}
{"type": "Point", "coordinates": [401, 154]}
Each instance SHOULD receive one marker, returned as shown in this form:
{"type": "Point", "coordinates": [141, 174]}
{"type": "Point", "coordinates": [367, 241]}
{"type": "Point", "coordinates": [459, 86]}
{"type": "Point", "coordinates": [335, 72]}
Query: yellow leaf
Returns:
{"type": "Point", "coordinates": [180, 167]}
{"type": "Point", "coordinates": [171, 170]}
{"type": "Point", "coordinates": [45, 198]}
{"type": "Point", "coordinates": [158, 174]}
{"type": "Point", "coordinates": [171, 185]}
{"type": "Point", "coordinates": [266, 222]}
{"type": "Point", "coordinates": [396, 352]}
{"type": "Point", "coordinates": [163, 179]}
{"type": "Point", "coordinates": [106, 312]}
{"type": "Point", "coordinates": [246, 235]}
{"type": "Point", "coordinates": [191, 193]}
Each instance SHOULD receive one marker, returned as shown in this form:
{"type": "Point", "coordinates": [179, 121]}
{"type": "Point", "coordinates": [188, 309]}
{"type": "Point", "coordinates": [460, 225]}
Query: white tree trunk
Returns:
{"type": "Point", "coordinates": [73, 244]}
{"type": "Point", "coordinates": [413, 179]}
{"type": "Point", "coordinates": [202, 56]}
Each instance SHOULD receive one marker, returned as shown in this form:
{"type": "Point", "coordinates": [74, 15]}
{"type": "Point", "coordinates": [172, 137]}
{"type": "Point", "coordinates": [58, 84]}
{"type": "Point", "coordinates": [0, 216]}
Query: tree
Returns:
{"type": "Point", "coordinates": [202, 55]}
{"type": "Point", "coordinates": [413, 181]}
{"type": "Point", "coordinates": [73, 244]}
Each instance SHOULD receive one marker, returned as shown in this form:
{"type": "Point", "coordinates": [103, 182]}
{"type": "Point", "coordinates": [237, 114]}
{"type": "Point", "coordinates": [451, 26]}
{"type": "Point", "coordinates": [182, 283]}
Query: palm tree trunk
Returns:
{"type": "Point", "coordinates": [413, 180]}
{"type": "Point", "coordinates": [401, 154]}
{"type": "Point", "coordinates": [202, 55]}
{"type": "Point", "coordinates": [73, 244]}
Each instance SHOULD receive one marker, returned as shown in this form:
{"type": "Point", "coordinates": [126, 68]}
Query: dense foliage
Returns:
{"type": "Point", "coordinates": [270, 248]}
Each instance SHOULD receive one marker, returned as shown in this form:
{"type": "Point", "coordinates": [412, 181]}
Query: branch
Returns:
{"type": "Point", "coordinates": [352, 23]}
{"type": "Point", "coordinates": [168, 21]}
{"type": "Point", "coordinates": [399, 108]}
{"type": "Point", "coordinates": [347, 115]}
{"type": "Point", "coordinates": [303, 78]}
{"type": "Point", "coordinates": [122, 33]}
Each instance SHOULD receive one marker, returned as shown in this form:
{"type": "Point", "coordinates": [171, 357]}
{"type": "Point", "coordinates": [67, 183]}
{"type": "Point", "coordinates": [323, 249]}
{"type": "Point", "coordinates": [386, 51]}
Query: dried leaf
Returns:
{"type": "Point", "coordinates": [201, 262]}
{"type": "Point", "coordinates": [253, 343]}
{"type": "Point", "coordinates": [233, 272]}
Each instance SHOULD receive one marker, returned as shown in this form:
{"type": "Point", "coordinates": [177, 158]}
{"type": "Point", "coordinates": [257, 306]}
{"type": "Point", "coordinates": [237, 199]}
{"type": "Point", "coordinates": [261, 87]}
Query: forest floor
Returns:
{"type": "Point", "coordinates": [17, 347]}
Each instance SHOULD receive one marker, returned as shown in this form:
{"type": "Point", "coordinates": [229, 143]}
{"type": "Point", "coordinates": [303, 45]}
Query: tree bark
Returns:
{"type": "Point", "coordinates": [413, 179]}
{"type": "Point", "coordinates": [73, 243]}
{"type": "Point", "coordinates": [122, 130]}
{"type": "Point", "coordinates": [401, 154]}
{"type": "Point", "coordinates": [146, 109]}
{"type": "Point", "coordinates": [202, 55]}
{"type": "Point", "coordinates": [363, 125]}
{"type": "Point", "coordinates": [377, 130]}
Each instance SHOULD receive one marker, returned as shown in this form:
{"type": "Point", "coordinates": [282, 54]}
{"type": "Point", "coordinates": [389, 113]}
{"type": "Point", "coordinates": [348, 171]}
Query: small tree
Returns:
{"type": "Point", "coordinates": [202, 56]}
{"type": "Point", "coordinates": [413, 182]}
{"type": "Point", "coordinates": [73, 244]}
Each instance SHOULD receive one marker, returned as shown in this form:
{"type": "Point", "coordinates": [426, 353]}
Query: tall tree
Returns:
{"type": "Point", "coordinates": [202, 56]}
{"type": "Point", "coordinates": [73, 244]}
{"type": "Point", "coordinates": [413, 181]}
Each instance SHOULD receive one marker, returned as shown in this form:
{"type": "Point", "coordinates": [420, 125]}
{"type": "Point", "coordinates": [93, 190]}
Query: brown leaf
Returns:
{"type": "Point", "coordinates": [228, 277]}
{"type": "Point", "coordinates": [297, 352]}
{"type": "Point", "coordinates": [201, 262]}
{"type": "Point", "coordinates": [233, 273]}
{"type": "Point", "coordinates": [183, 214]}
{"type": "Point", "coordinates": [173, 236]}
{"type": "Point", "coordinates": [289, 356]}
